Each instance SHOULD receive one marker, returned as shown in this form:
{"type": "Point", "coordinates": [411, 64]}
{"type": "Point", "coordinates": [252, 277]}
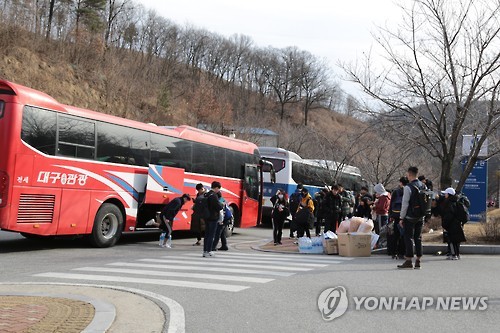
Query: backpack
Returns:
{"type": "Point", "coordinates": [462, 198]}
{"type": "Point", "coordinates": [420, 202]}
{"type": "Point", "coordinates": [200, 206]}
{"type": "Point", "coordinates": [462, 212]}
{"type": "Point", "coordinates": [227, 213]}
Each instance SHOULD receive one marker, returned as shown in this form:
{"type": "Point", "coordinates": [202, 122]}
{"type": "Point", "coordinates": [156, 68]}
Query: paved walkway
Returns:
{"type": "Point", "coordinates": [53, 308]}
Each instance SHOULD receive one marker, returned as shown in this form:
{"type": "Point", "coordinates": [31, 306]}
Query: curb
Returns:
{"type": "Point", "coordinates": [427, 249]}
{"type": "Point", "coordinates": [464, 249]}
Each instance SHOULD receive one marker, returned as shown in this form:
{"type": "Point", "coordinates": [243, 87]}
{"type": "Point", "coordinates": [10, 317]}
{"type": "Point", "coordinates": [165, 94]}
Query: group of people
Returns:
{"type": "Point", "coordinates": [392, 211]}
{"type": "Point", "coordinates": [211, 216]}
{"type": "Point", "coordinates": [405, 227]}
{"type": "Point", "coordinates": [328, 206]}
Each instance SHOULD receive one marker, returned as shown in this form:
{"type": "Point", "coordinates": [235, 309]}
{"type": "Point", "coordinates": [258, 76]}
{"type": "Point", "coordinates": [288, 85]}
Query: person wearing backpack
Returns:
{"type": "Point", "coordinates": [214, 208]}
{"type": "Point", "coordinates": [197, 221]}
{"type": "Point", "coordinates": [412, 220]}
{"type": "Point", "coordinates": [451, 212]}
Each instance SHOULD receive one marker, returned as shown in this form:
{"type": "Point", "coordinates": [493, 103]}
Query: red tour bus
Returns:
{"type": "Point", "coordinates": [70, 171]}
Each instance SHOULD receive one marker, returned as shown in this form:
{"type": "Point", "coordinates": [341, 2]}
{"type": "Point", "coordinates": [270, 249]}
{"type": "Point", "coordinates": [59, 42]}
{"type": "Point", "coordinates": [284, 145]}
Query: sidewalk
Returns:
{"type": "Point", "coordinates": [51, 308]}
{"type": "Point", "coordinates": [429, 248]}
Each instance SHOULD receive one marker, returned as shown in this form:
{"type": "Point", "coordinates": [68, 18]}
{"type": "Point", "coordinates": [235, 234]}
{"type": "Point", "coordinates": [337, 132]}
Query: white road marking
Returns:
{"type": "Point", "coordinates": [175, 274]}
{"type": "Point", "coordinates": [250, 261]}
{"type": "Point", "coordinates": [173, 283]}
{"type": "Point", "coordinates": [215, 262]}
{"type": "Point", "coordinates": [221, 269]}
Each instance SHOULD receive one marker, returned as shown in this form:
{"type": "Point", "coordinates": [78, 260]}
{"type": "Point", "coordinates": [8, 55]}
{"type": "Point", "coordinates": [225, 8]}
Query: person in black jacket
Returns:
{"type": "Point", "coordinates": [451, 225]}
{"type": "Point", "coordinates": [214, 206]}
{"type": "Point", "coordinates": [167, 215]}
{"type": "Point", "coordinates": [395, 242]}
{"type": "Point", "coordinates": [333, 209]}
{"type": "Point", "coordinates": [281, 210]}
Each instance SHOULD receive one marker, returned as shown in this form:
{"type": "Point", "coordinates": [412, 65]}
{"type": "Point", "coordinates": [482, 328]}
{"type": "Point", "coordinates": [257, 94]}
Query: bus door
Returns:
{"type": "Point", "coordinates": [250, 206]}
{"type": "Point", "coordinates": [164, 183]}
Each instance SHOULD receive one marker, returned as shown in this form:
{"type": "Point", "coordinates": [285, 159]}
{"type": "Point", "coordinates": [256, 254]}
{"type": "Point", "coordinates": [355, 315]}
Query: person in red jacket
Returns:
{"type": "Point", "coordinates": [381, 206]}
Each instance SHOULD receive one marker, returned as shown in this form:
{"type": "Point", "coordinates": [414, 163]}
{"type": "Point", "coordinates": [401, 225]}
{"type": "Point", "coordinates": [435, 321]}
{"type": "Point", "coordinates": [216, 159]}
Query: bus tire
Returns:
{"type": "Point", "coordinates": [108, 226]}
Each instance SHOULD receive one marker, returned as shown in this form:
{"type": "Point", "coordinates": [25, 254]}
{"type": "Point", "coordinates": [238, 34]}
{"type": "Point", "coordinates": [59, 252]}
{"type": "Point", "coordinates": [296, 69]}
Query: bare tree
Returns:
{"type": "Point", "coordinates": [315, 86]}
{"type": "Point", "coordinates": [442, 63]}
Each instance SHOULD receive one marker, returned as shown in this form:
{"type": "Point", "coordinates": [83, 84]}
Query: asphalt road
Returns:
{"type": "Point", "coordinates": [245, 290]}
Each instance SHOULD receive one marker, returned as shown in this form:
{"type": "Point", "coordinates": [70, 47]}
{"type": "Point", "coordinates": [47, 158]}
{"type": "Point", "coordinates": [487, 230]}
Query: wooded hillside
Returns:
{"type": "Point", "coordinates": [115, 57]}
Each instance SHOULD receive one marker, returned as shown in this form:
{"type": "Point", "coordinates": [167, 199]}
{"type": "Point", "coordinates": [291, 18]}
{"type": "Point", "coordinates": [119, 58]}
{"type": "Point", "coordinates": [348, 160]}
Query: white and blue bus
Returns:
{"type": "Point", "coordinates": [291, 169]}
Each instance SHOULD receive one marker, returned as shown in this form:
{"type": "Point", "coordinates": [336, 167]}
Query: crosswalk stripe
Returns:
{"type": "Point", "coordinates": [173, 283]}
{"type": "Point", "coordinates": [271, 257]}
{"type": "Point", "coordinates": [249, 260]}
{"type": "Point", "coordinates": [221, 269]}
{"type": "Point", "coordinates": [214, 262]}
{"type": "Point", "coordinates": [176, 274]}
{"type": "Point", "coordinates": [289, 257]}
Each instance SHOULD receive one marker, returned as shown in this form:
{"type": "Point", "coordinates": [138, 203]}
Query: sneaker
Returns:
{"type": "Point", "coordinates": [197, 243]}
{"type": "Point", "coordinates": [205, 254]}
{"type": "Point", "coordinates": [449, 257]}
{"type": "Point", "coordinates": [417, 264]}
{"type": "Point", "coordinates": [226, 248]}
{"type": "Point", "coordinates": [151, 223]}
{"type": "Point", "coordinates": [406, 265]}
{"type": "Point", "coordinates": [211, 254]}
{"type": "Point", "coordinates": [454, 258]}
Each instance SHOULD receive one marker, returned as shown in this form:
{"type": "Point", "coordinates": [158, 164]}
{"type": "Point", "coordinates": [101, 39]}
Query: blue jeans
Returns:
{"type": "Point", "coordinates": [210, 227]}
{"type": "Point", "coordinates": [220, 233]}
{"type": "Point", "coordinates": [413, 233]}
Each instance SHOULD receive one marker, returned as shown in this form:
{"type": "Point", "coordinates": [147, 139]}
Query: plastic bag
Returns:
{"type": "Point", "coordinates": [330, 235]}
{"type": "Point", "coordinates": [366, 226]}
{"type": "Point", "coordinates": [374, 240]}
{"type": "Point", "coordinates": [344, 227]}
{"type": "Point", "coordinates": [355, 223]}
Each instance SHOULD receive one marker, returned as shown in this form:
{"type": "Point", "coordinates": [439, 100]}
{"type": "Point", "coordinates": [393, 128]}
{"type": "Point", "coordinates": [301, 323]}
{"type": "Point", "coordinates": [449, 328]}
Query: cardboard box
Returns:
{"type": "Point", "coordinates": [355, 244]}
{"type": "Point", "coordinates": [331, 246]}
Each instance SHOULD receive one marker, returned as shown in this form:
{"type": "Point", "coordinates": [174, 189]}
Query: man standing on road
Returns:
{"type": "Point", "coordinates": [412, 225]}
{"type": "Point", "coordinates": [214, 206]}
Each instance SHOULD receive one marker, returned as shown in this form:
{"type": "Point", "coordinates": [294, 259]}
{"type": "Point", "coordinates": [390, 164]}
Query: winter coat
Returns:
{"type": "Point", "coordinates": [332, 205]}
{"type": "Point", "coordinates": [382, 204]}
{"type": "Point", "coordinates": [285, 210]}
{"type": "Point", "coordinates": [197, 223]}
{"type": "Point", "coordinates": [214, 205]}
{"type": "Point", "coordinates": [450, 222]}
{"type": "Point", "coordinates": [396, 202]}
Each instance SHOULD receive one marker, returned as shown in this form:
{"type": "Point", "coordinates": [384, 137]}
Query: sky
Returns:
{"type": "Point", "coordinates": [334, 30]}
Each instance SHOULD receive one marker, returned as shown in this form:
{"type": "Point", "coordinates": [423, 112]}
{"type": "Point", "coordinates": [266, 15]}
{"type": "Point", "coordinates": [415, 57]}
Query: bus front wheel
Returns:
{"type": "Point", "coordinates": [108, 226]}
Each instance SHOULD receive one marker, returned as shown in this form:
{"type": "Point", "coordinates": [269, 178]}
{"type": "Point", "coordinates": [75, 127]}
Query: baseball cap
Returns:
{"type": "Point", "coordinates": [449, 191]}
